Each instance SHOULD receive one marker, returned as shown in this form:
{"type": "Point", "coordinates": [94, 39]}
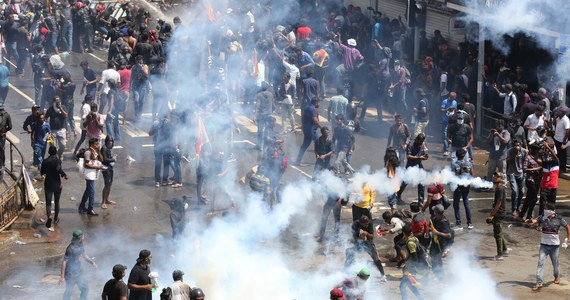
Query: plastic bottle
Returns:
{"type": "Point", "coordinates": [565, 244]}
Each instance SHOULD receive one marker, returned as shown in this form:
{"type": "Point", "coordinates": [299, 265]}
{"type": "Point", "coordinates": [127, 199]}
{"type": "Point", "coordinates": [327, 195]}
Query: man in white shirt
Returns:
{"type": "Point", "coordinates": [534, 121]}
{"type": "Point", "coordinates": [561, 134]}
{"type": "Point", "coordinates": [337, 106]}
{"type": "Point", "coordinates": [180, 290]}
{"type": "Point", "coordinates": [510, 98]}
{"type": "Point", "coordinates": [103, 88]}
{"type": "Point", "coordinates": [443, 91]}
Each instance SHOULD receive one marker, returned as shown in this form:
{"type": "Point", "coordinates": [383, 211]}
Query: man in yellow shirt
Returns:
{"type": "Point", "coordinates": [363, 202]}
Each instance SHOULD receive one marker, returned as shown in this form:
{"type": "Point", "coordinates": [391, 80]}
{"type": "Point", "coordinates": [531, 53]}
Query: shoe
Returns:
{"type": "Point", "coordinates": [458, 227]}
{"type": "Point", "coordinates": [157, 184]}
{"type": "Point", "coordinates": [469, 226]}
{"type": "Point", "coordinates": [557, 280]}
{"type": "Point", "coordinates": [446, 154]}
{"type": "Point", "coordinates": [176, 185]}
{"type": "Point", "coordinates": [51, 229]}
{"type": "Point", "coordinates": [48, 223]}
{"type": "Point", "coordinates": [82, 211]}
{"type": "Point", "coordinates": [383, 279]}
{"type": "Point", "coordinates": [537, 287]}
{"type": "Point", "coordinates": [92, 213]}
{"type": "Point", "coordinates": [56, 221]}
{"type": "Point", "coordinates": [499, 258]}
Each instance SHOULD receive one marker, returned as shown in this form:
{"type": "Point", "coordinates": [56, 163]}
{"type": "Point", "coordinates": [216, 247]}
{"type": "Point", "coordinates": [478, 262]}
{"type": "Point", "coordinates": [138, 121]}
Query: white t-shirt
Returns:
{"type": "Point", "coordinates": [561, 126]}
{"type": "Point", "coordinates": [293, 71]}
{"type": "Point", "coordinates": [532, 121]}
{"type": "Point", "coordinates": [442, 80]}
{"type": "Point", "coordinates": [109, 74]}
{"type": "Point", "coordinates": [507, 107]}
{"type": "Point", "coordinates": [261, 76]}
{"type": "Point", "coordinates": [85, 109]}
{"type": "Point", "coordinates": [398, 225]}
{"type": "Point", "coordinates": [2, 46]}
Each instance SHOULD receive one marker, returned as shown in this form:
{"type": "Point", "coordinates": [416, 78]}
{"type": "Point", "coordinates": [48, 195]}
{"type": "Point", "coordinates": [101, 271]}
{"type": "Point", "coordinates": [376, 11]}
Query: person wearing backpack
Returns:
{"type": "Point", "coordinates": [413, 265]}
{"type": "Point", "coordinates": [510, 99]}
{"type": "Point", "coordinates": [92, 165]}
{"type": "Point", "coordinates": [442, 239]}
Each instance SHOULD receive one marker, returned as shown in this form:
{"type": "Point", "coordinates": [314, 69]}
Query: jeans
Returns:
{"type": "Point", "coordinates": [530, 200]}
{"type": "Point", "coordinates": [86, 37]}
{"type": "Point", "coordinates": [59, 138]}
{"type": "Point", "coordinates": [330, 205]}
{"type": "Point", "coordinates": [3, 94]}
{"type": "Point", "coordinates": [2, 152]}
{"type": "Point", "coordinates": [401, 103]}
{"type": "Point", "coordinates": [420, 127]}
{"type": "Point", "coordinates": [406, 284]}
{"type": "Point", "coordinates": [498, 165]}
{"type": "Point", "coordinates": [421, 191]}
{"type": "Point", "coordinates": [377, 103]}
{"type": "Point", "coordinates": [66, 35]}
{"type": "Point", "coordinates": [498, 234]}
{"type": "Point", "coordinates": [39, 153]}
{"type": "Point", "coordinates": [517, 187]}
{"type": "Point", "coordinates": [453, 151]}
{"type": "Point", "coordinates": [363, 246]}
{"type": "Point", "coordinates": [444, 127]}
{"type": "Point", "coordinates": [158, 164]}
{"type": "Point", "coordinates": [287, 112]}
{"type": "Point", "coordinates": [341, 159]}
{"type": "Point", "coordinates": [89, 194]}
{"type": "Point", "coordinates": [547, 250]}
{"type": "Point", "coordinates": [21, 63]}
{"type": "Point", "coordinates": [69, 120]}
{"type": "Point", "coordinates": [81, 140]}
{"type": "Point", "coordinates": [392, 200]}
{"type": "Point", "coordinates": [262, 130]}
{"type": "Point", "coordinates": [37, 88]}
{"type": "Point", "coordinates": [173, 158]}
{"type": "Point", "coordinates": [103, 100]}
{"type": "Point", "coordinates": [71, 281]}
{"type": "Point", "coordinates": [140, 93]}
{"type": "Point", "coordinates": [461, 192]}
{"type": "Point", "coordinates": [308, 137]}
{"type": "Point", "coordinates": [11, 52]}
{"type": "Point", "coordinates": [562, 156]}
{"type": "Point", "coordinates": [112, 125]}
{"type": "Point", "coordinates": [546, 196]}
{"type": "Point", "coordinates": [56, 195]}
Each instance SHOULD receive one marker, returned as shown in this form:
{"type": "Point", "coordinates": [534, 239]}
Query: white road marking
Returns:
{"type": "Point", "coordinates": [245, 141]}
{"type": "Point", "coordinates": [491, 198]}
{"type": "Point", "coordinates": [147, 145]}
{"type": "Point", "coordinates": [302, 172]}
{"type": "Point", "coordinates": [21, 93]}
{"type": "Point", "coordinates": [96, 57]}
{"type": "Point", "coordinates": [10, 62]}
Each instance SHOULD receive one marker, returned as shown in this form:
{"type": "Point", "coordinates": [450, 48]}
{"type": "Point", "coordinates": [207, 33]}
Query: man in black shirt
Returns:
{"type": "Point", "coordinates": [139, 283]}
{"type": "Point", "coordinates": [71, 267]}
{"type": "Point", "coordinates": [90, 83]}
{"type": "Point", "coordinates": [51, 168]}
{"type": "Point", "coordinates": [343, 140]}
{"type": "Point", "coordinates": [23, 40]}
{"type": "Point", "coordinates": [57, 117]}
{"type": "Point", "coordinates": [460, 136]}
{"type": "Point", "coordinates": [5, 126]}
{"type": "Point", "coordinates": [31, 119]}
{"type": "Point", "coordinates": [323, 152]}
{"type": "Point", "coordinates": [144, 49]}
{"type": "Point", "coordinates": [416, 152]}
{"type": "Point", "coordinates": [116, 289]}
{"type": "Point", "coordinates": [442, 239]}
{"type": "Point", "coordinates": [363, 235]}
{"type": "Point", "coordinates": [497, 215]}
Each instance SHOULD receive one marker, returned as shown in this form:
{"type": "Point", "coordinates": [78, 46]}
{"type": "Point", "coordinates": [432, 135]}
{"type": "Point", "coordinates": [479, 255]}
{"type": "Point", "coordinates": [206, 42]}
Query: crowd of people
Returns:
{"type": "Point", "coordinates": [266, 65]}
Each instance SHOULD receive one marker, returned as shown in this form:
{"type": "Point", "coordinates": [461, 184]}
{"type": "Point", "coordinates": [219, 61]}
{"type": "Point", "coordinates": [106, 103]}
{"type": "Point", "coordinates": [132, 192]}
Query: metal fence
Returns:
{"type": "Point", "coordinates": [13, 200]}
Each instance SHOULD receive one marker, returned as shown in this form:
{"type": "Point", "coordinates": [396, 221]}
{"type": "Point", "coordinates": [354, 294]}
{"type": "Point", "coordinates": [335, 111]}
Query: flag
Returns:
{"type": "Point", "coordinates": [201, 137]}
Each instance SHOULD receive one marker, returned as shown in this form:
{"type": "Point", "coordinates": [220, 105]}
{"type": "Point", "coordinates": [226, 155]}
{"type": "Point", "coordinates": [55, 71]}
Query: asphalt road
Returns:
{"type": "Point", "coordinates": [141, 218]}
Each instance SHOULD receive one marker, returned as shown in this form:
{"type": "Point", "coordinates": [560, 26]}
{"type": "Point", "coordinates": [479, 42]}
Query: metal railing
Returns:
{"type": "Point", "coordinates": [13, 200]}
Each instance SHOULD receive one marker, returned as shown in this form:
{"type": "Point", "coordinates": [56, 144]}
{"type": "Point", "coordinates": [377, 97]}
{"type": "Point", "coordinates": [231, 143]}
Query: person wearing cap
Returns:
{"type": "Point", "coordinates": [336, 294]}
{"type": "Point", "coordinates": [421, 112]}
{"type": "Point", "coordinates": [550, 223]}
{"type": "Point", "coordinates": [139, 282]}
{"type": "Point", "coordinates": [180, 289]}
{"type": "Point", "coordinates": [442, 236]}
{"type": "Point", "coordinates": [72, 267]}
{"type": "Point", "coordinates": [510, 99]}
{"type": "Point", "coordinates": [351, 57]}
{"type": "Point", "coordinates": [497, 215]}
{"type": "Point", "coordinates": [561, 135]}
{"type": "Point", "coordinates": [116, 288]}
{"type": "Point", "coordinates": [354, 288]}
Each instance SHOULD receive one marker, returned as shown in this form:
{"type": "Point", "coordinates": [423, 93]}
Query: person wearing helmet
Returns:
{"type": "Point", "coordinates": [197, 294]}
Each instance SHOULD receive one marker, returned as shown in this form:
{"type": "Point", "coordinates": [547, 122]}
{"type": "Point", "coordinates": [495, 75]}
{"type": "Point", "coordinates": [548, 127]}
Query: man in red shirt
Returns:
{"type": "Point", "coordinates": [124, 88]}
{"type": "Point", "coordinates": [549, 182]}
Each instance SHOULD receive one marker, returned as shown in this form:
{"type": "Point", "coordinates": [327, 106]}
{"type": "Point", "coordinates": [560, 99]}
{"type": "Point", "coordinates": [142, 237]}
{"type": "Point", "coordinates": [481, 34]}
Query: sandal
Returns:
{"type": "Point", "coordinates": [112, 202]}
{"type": "Point", "coordinates": [537, 287]}
{"type": "Point", "coordinates": [104, 206]}
{"type": "Point", "coordinates": [557, 280]}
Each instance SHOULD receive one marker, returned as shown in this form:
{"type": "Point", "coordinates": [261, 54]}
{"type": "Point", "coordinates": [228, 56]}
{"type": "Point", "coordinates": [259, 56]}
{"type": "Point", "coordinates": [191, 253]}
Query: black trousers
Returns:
{"type": "Point", "coordinates": [363, 246]}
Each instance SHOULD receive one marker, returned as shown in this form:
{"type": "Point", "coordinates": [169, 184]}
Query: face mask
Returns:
{"type": "Point", "coordinates": [397, 68]}
{"type": "Point", "coordinates": [460, 121]}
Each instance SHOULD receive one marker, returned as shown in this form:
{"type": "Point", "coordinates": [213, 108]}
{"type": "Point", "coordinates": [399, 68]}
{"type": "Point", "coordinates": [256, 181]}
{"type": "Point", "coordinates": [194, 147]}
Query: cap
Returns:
{"type": "Point", "coordinates": [119, 269]}
{"type": "Point", "coordinates": [508, 86]}
{"type": "Point", "coordinates": [144, 254]}
{"type": "Point", "coordinates": [351, 42]}
{"type": "Point", "coordinates": [460, 116]}
{"type": "Point", "coordinates": [439, 208]}
{"type": "Point", "coordinates": [363, 272]}
{"type": "Point", "coordinates": [420, 91]}
{"type": "Point", "coordinates": [177, 273]}
{"type": "Point", "coordinates": [337, 294]}
{"type": "Point", "coordinates": [77, 234]}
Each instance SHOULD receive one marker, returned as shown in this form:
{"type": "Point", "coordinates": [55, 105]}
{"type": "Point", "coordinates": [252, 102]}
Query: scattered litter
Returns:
{"type": "Point", "coordinates": [20, 242]}
{"type": "Point", "coordinates": [12, 253]}
{"type": "Point", "coordinates": [38, 190]}
{"type": "Point", "coordinates": [135, 208]}
{"type": "Point", "coordinates": [51, 229]}
{"type": "Point", "coordinates": [130, 160]}
{"type": "Point", "coordinates": [510, 225]}
{"type": "Point", "coordinates": [17, 286]}
{"type": "Point", "coordinates": [37, 235]}
{"type": "Point", "coordinates": [72, 199]}
{"type": "Point", "coordinates": [42, 220]}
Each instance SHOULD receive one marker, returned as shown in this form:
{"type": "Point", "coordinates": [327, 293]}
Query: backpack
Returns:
{"type": "Point", "coordinates": [419, 224]}
{"type": "Point", "coordinates": [80, 154]}
{"type": "Point", "coordinates": [422, 253]}
{"type": "Point", "coordinates": [166, 294]}
{"type": "Point", "coordinates": [281, 159]}
{"type": "Point", "coordinates": [258, 182]}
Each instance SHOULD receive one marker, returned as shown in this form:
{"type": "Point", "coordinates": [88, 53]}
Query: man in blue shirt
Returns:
{"type": "Point", "coordinates": [4, 83]}
{"type": "Point", "coordinates": [304, 62]}
{"type": "Point", "coordinates": [447, 108]}
{"type": "Point", "coordinates": [310, 124]}
{"type": "Point", "coordinates": [41, 133]}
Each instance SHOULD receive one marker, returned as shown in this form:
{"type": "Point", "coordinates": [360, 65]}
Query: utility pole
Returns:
{"type": "Point", "coordinates": [480, 81]}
